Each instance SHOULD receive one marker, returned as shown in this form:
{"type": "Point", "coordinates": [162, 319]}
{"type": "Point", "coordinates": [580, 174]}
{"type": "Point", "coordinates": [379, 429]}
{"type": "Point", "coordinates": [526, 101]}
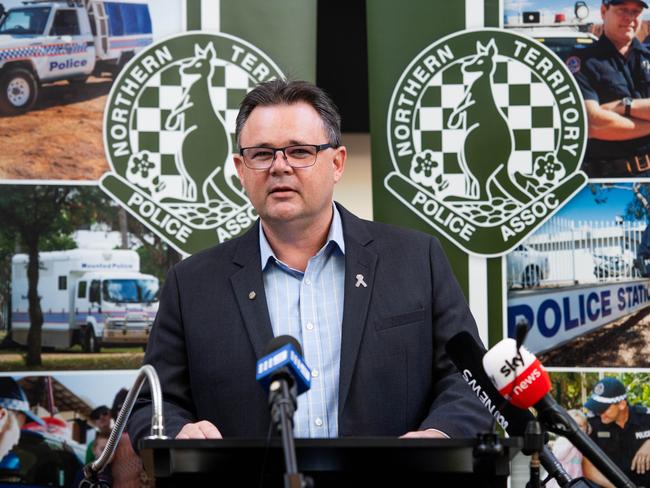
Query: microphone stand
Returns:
{"type": "Point", "coordinates": [533, 444]}
{"type": "Point", "coordinates": [283, 405]}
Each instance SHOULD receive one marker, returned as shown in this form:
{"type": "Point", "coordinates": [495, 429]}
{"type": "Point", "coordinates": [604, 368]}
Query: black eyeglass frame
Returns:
{"type": "Point", "coordinates": [319, 148]}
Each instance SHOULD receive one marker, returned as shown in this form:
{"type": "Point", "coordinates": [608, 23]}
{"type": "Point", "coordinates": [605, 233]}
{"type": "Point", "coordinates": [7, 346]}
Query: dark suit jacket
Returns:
{"type": "Point", "coordinates": [395, 376]}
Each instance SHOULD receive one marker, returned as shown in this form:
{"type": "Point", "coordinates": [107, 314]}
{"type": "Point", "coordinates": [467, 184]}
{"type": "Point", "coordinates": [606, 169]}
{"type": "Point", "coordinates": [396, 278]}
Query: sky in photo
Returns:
{"type": "Point", "coordinates": [610, 202]}
{"type": "Point", "coordinates": [94, 387]}
{"type": "Point", "coordinates": [549, 8]}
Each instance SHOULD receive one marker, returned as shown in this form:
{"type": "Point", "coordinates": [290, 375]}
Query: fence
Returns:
{"type": "Point", "coordinates": [566, 252]}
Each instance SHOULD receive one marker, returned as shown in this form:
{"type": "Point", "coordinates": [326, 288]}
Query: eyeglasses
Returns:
{"type": "Point", "coordinates": [296, 156]}
{"type": "Point", "coordinates": [627, 12]}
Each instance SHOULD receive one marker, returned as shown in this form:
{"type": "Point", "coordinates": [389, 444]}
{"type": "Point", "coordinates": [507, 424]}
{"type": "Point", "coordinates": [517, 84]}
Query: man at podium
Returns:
{"type": "Point", "coordinates": [372, 305]}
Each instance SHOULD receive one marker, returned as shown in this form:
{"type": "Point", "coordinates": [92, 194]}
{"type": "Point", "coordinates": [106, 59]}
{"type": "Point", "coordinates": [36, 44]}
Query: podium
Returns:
{"type": "Point", "coordinates": [343, 462]}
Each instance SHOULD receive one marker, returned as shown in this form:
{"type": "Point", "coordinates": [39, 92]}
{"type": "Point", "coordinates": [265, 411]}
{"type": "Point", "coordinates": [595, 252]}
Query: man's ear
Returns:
{"type": "Point", "coordinates": [239, 166]}
{"type": "Point", "coordinates": [340, 156]}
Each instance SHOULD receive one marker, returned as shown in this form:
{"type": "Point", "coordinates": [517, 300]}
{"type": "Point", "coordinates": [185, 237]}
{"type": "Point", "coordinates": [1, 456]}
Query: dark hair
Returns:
{"type": "Point", "coordinates": [118, 401]}
{"type": "Point", "coordinates": [285, 92]}
{"type": "Point", "coordinates": [98, 412]}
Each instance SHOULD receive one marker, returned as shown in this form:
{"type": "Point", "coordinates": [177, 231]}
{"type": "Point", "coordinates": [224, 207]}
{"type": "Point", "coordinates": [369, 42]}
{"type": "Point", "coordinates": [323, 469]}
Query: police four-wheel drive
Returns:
{"type": "Point", "coordinates": [46, 41]}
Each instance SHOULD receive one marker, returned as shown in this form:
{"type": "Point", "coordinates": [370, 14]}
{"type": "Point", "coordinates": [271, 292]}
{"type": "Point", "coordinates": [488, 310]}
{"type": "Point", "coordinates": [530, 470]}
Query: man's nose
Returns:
{"type": "Point", "coordinates": [279, 163]}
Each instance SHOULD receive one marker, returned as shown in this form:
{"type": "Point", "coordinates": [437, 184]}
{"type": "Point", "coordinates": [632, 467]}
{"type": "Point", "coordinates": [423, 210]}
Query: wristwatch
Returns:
{"type": "Point", "coordinates": [627, 103]}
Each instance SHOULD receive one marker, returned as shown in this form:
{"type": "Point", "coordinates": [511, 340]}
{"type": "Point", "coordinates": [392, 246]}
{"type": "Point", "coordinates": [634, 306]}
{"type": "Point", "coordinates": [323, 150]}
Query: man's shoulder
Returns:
{"type": "Point", "coordinates": [640, 411]}
{"type": "Point", "coordinates": [217, 255]}
{"type": "Point", "coordinates": [382, 232]}
{"type": "Point", "coordinates": [587, 58]}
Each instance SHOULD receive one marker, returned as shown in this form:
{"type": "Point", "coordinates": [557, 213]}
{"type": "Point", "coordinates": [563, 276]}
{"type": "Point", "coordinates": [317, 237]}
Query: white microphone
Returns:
{"type": "Point", "coordinates": [523, 381]}
{"type": "Point", "coordinates": [516, 373]}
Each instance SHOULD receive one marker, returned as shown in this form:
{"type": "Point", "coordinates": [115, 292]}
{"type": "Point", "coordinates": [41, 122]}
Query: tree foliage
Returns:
{"type": "Point", "coordinates": [38, 218]}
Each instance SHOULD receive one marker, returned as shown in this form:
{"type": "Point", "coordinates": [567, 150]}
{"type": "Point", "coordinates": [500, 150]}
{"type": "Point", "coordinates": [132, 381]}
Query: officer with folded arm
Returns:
{"type": "Point", "coordinates": [614, 77]}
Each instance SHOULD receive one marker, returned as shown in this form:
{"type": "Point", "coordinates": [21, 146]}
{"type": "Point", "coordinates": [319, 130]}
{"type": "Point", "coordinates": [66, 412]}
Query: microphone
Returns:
{"type": "Point", "coordinates": [521, 378]}
{"type": "Point", "coordinates": [467, 355]}
{"type": "Point", "coordinates": [283, 360]}
{"type": "Point", "coordinates": [284, 375]}
{"type": "Point", "coordinates": [516, 373]}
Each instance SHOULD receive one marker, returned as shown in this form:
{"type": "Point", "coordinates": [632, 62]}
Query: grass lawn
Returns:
{"type": "Point", "coordinates": [73, 359]}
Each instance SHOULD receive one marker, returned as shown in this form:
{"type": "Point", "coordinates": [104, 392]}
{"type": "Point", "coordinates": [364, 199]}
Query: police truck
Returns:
{"type": "Point", "coordinates": [46, 41]}
{"type": "Point", "coordinates": [91, 297]}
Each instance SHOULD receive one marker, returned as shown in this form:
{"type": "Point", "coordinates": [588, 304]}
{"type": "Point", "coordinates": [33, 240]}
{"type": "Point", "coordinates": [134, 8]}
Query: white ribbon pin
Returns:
{"type": "Point", "coordinates": [360, 281]}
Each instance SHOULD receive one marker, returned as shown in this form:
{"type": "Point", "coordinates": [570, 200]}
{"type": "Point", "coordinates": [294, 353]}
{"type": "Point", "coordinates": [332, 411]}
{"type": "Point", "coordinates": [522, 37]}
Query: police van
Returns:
{"type": "Point", "coordinates": [91, 297]}
{"type": "Point", "coordinates": [46, 41]}
{"type": "Point", "coordinates": [561, 35]}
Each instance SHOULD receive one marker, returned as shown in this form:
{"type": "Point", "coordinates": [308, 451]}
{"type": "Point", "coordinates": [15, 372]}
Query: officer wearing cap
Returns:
{"type": "Point", "coordinates": [103, 420]}
{"type": "Point", "coordinates": [614, 77]}
{"type": "Point", "coordinates": [14, 414]}
{"type": "Point", "coordinates": [621, 430]}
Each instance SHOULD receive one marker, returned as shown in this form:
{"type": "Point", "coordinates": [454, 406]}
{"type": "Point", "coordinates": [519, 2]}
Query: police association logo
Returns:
{"type": "Point", "coordinates": [169, 136]}
{"type": "Point", "coordinates": [486, 132]}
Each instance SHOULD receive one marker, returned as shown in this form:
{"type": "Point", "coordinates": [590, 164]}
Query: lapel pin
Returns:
{"type": "Point", "coordinates": [360, 281]}
{"type": "Point", "coordinates": [252, 295]}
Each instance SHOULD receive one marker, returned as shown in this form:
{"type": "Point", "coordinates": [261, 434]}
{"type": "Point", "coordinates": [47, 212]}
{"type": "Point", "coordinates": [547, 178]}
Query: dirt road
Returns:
{"type": "Point", "coordinates": [622, 344]}
{"type": "Point", "coordinates": [60, 138]}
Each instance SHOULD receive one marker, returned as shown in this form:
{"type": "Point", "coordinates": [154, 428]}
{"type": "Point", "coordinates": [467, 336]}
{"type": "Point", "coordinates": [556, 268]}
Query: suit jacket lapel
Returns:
{"type": "Point", "coordinates": [359, 260]}
{"type": "Point", "coordinates": [248, 286]}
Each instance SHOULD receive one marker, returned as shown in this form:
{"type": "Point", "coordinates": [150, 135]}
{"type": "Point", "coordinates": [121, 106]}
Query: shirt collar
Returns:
{"type": "Point", "coordinates": [636, 44]}
{"type": "Point", "coordinates": [335, 236]}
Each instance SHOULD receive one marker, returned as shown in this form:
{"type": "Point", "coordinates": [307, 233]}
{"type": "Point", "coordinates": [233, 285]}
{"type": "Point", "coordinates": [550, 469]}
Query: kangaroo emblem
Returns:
{"type": "Point", "coordinates": [206, 145]}
{"type": "Point", "coordinates": [489, 140]}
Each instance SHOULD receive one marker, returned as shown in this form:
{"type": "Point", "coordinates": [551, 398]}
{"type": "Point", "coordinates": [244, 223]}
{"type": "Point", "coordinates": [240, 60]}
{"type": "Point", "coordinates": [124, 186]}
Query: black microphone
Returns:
{"type": "Point", "coordinates": [521, 331]}
{"type": "Point", "coordinates": [284, 375]}
{"type": "Point", "coordinates": [467, 354]}
{"type": "Point", "coordinates": [283, 360]}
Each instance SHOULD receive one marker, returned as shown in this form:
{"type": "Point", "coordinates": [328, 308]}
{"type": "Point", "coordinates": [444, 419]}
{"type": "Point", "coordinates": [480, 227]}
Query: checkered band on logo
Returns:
{"type": "Point", "coordinates": [41, 51]}
{"type": "Point", "coordinates": [526, 102]}
{"type": "Point", "coordinates": [152, 125]}
{"type": "Point", "coordinates": [14, 404]}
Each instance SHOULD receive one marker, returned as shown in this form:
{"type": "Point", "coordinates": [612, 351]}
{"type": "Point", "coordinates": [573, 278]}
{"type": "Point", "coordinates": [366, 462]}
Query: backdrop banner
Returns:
{"type": "Point", "coordinates": [477, 136]}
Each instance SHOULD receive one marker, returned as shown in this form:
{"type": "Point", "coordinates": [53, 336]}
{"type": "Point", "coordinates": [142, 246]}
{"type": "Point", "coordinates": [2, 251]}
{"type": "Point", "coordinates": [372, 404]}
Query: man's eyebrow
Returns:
{"type": "Point", "coordinates": [292, 142]}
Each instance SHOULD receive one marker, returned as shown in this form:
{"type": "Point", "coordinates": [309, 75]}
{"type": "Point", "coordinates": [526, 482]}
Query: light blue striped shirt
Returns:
{"type": "Point", "coordinates": [309, 307]}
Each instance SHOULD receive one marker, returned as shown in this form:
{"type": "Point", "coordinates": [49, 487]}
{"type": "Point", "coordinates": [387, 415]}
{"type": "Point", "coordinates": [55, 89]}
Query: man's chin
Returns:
{"type": "Point", "coordinates": [282, 212]}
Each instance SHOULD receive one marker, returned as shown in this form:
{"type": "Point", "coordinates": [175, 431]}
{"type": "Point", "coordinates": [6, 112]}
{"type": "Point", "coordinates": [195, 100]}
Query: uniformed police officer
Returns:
{"type": "Point", "coordinates": [621, 430]}
{"type": "Point", "coordinates": [614, 76]}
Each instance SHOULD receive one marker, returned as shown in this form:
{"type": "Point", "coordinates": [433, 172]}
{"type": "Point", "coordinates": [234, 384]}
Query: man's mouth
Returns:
{"type": "Point", "coordinates": [281, 189]}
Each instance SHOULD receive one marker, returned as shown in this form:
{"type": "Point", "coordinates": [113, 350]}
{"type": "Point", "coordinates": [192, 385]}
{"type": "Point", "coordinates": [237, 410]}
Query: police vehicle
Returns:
{"type": "Point", "coordinates": [46, 41]}
{"type": "Point", "coordinates": [89, 297]}
{"type": "Point", "coordinates": [560, 35]}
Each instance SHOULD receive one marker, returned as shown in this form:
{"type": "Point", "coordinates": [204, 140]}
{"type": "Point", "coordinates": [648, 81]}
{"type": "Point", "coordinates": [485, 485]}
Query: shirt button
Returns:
{"type": "Point", "coordinates": [310, 326]}
{"type": "Point", "coordinates": [307, 281]}
{"type": "Point", "coordinates": [318, 422]}
{"type": "Point", "coordinates": [314, 373]}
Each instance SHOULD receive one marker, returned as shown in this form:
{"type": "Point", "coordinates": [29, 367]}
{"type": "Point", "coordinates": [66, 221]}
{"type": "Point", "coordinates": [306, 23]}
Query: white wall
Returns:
{"type": "Point", "coordinates": [354, 191]}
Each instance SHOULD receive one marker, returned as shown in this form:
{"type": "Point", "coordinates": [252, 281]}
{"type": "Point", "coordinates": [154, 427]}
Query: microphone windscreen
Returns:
{"type": "Point", "coordinates": [281, 341]}
{"type": "Point", "coordinates": [283, 357]}
{"type": "Point", "coordinates": [516, 373]}
{"type": "Point", "coordinates": [467, 354]}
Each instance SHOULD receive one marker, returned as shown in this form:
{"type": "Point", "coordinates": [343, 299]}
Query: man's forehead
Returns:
{"type": "Point", "coordinates": [288, 120]}
{"type": "Point", "coordinates": [297, 107]}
